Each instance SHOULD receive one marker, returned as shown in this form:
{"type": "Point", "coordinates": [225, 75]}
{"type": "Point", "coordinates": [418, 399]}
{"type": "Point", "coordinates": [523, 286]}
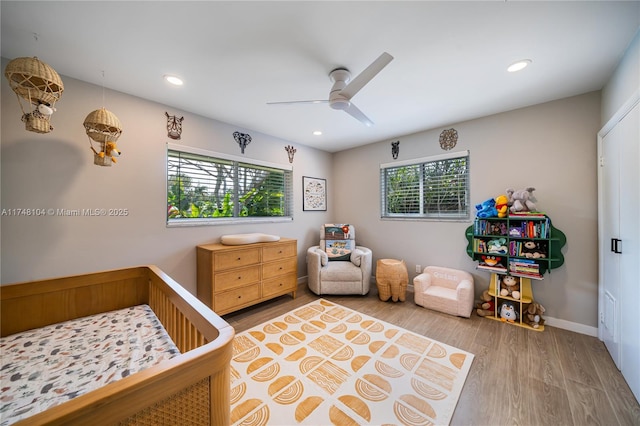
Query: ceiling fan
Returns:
{"type": "Point", "coordinates": [344, 88]}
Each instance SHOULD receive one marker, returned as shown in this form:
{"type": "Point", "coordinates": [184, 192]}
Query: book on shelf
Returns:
{"type": "Point", "coordinates": [524, 266]}
{"type": "Point", "coordinates": [528, 214]}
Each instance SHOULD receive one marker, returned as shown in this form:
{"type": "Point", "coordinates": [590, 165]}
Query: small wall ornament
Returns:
{"type": "Point", "coordinates": [448, 139]}
{"type": "Point", "coordinates": [290, 152]}
{"type": "Point", "coordinates": [174, 126]}
{"type": "Point", "coordinates": [242, 139]}
{"type": "Point", "coordinates": [395, 149]}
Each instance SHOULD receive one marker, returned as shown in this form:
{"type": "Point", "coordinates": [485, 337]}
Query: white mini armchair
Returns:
{"type": "Point", "coordinates": [337, 265]}
{"type": "Point", "coordinates": [446, 290]}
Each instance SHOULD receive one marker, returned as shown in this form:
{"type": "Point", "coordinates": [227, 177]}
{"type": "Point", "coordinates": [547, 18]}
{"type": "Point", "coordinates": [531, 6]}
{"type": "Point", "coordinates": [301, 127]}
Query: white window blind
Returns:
{"type": "Point", "coordinates": [431, 188]}
{"type": "Point", "coordinates": [205, 187]}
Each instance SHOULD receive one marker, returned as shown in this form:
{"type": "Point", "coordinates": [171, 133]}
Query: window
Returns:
{"type": "Point", "coordinates": [427, 188]}
{"type": "Point", "coordinates": [211, 188]}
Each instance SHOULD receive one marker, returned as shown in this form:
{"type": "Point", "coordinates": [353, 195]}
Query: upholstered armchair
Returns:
{"type": "Point", "coordinates": [446, 290]}
{"type": "Point", "coordinates": [337, 265]}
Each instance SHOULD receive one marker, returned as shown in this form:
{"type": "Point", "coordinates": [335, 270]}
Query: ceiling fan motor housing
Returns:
{"type": "Point", "coordinates": [340, 78]}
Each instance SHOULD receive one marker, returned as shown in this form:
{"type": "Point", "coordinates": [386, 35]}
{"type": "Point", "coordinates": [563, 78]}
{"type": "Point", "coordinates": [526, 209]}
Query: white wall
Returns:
{"type": "Point", "coordinates": [549, 146]}
{"type": "Point", "coordinates": [623, 83]}
{"type": "Point", "coordinates": [56, 170]}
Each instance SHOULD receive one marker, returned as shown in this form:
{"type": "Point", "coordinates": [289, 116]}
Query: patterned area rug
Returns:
{"type": "Point", "coordinates": [324, 364]}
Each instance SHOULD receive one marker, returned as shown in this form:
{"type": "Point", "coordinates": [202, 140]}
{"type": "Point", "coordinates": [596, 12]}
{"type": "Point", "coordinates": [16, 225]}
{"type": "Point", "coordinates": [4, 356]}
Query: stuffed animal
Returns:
{"type": "Point", "coordinates": [533, 250]}
{"type": "Point", "coordinates": [510, 286]}
{"type": "Point", "coordinates": [497, 246]}
{"type": "Point", "coordinates": [521, 200]}
{"type": "Point", "coordinates": [508, 311]}
{"type": "Point", "coordinates": [492, 261]}
{"type": "Point", "coordinates": [487, 208]}
{"type": "Point", "coordinates": [486, 306]}
{"type": "Point", "coordinates": [533, 315]}
{"type": "Point", "coordinates": [502, 205]}
{"type": "Point", "coordinates": [110, 150]}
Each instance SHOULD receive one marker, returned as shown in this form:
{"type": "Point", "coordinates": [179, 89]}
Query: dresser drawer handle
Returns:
{"type": "Point", "coordinates": [239, 297]}
{"type": "Point", "coordinates": [239, 258]}
{"type": "Point", "coordinates": [281, 268]}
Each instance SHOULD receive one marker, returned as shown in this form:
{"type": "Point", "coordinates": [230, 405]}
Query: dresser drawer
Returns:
{"type": "Point", "coordinates": [278, 251]}
{"type": "Point", "coordinates": [229, 300]}
{"type": "Point", "coordinates": [281, 267]}
{"type": "Point", "coordinates": [236, 278]}
{"type": "Point", "coordinates": [236, 258]}
{"type": "Point", "coordinates": [279, 285]}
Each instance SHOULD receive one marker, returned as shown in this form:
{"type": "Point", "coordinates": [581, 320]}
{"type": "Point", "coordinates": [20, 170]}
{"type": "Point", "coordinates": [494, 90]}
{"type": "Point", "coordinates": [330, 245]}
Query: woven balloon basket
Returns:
{"type": "Point", "coordinates": [36, 122]}
{"type": "Point", "coordinates": [102, 161]}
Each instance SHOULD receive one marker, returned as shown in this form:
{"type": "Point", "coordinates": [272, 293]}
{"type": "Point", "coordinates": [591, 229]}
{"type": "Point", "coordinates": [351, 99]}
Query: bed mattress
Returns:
{"type": "Point", "coordinates": [50, 365]}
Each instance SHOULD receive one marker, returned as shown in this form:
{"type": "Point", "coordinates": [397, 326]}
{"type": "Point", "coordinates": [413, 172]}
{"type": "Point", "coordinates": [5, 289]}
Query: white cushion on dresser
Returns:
{"type": "Point", "coordinates": [240, 239]}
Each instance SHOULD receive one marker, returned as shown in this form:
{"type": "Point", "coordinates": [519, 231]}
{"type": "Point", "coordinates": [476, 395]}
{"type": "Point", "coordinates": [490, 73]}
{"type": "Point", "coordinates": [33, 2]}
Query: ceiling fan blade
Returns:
{"type": "Point", "coordinates": [365, 76]}
{"type": "Point", "coordinates": [353, 111]}
{"type": "Point", "coordinates": [317, 101]}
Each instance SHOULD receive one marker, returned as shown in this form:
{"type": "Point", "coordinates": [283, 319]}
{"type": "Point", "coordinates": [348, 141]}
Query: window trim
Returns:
{"type": "Point", "coordinates": [171, 223]}
{"type": "Point", "coordinates": [418, 216]}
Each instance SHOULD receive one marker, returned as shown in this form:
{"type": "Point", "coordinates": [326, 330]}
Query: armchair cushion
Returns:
{"type": "Point", "coordinates": [338, 241]}
{"type": "Point", "coordinates": [356, 257]}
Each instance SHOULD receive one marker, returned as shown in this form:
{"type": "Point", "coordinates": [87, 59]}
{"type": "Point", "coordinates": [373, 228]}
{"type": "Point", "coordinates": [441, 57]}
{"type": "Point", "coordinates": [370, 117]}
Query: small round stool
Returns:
{"type": "Point", "coordinates": [392, 279]}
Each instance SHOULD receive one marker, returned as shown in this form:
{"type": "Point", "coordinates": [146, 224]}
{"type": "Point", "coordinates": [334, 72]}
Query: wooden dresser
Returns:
{"type": "Point", "coordinates": [234, 277]}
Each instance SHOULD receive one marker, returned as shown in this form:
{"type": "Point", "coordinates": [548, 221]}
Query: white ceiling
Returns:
{"type": "Point", "coordinates": [450, 57]}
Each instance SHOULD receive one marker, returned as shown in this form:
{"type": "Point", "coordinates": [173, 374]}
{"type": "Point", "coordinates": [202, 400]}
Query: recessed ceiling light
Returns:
{"type": "Point", "coordinates": [517, 66]}
{"type": "Point", "coordinates": [317, 132]}
{"type": "Point", "coordinates": [173, 80]}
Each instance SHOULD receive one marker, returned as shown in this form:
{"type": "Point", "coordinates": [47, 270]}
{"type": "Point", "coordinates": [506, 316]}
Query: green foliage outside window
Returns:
{"type": "Point", "coordinates": [426, 189]}
{"type": "Point", "coordinates": [204, 187]}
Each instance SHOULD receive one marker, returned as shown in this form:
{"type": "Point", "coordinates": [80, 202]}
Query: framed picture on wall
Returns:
{"type": "Point", "coordinates": [314, 194]}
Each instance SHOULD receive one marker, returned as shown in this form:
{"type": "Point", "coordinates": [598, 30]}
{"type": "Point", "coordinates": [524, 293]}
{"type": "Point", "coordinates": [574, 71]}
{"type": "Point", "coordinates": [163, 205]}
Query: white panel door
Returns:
{"type": "Point", "coordinates": [619, 235]}
{"type": "Point", "coordinates": [629, 135]}
{"type": "Point", "coordinates": [610, 233]}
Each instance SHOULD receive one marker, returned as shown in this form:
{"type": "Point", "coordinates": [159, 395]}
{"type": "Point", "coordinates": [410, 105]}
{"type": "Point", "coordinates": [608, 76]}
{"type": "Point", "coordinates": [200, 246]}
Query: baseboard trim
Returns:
{"type": "Point", "coordinates": [553, 322]}
{"type": "Point", "coordinates": [571, 326]}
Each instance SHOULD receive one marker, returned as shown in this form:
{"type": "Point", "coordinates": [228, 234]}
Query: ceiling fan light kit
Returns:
{"type": "Point", "coordinates": [344, 88]}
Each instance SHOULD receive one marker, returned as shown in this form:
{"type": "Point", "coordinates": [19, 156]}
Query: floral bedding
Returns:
{"type": "Point", "coordinates": [53, 364]}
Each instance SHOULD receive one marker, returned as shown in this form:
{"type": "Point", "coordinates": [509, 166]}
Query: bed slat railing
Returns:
{"type": "Point", "coordinates": [183, 333]}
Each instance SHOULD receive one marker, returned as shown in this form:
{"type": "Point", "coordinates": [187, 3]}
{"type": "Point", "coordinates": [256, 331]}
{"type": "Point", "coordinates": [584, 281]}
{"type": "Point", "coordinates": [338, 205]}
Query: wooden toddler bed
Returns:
{"type": "Point", "coordinates": [189, 389]}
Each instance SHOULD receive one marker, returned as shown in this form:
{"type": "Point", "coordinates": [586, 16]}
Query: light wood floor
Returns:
{"type": "Point", "coordinates": [518, 376]}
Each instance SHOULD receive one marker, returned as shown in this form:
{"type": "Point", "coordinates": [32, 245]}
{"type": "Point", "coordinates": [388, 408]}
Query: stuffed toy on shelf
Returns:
{"type": "Point", "coordinates": [520, 200]}
{"type": "Point", "coordinates": [486, 306]}
{"type": "Point", "coordinates": [510, 286]}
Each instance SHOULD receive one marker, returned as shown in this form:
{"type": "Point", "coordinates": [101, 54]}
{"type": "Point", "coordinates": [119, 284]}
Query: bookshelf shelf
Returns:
{"type": "Point", "coordinates": [526, 246]}
{"type": "Point", "coordinates": [522, 245]}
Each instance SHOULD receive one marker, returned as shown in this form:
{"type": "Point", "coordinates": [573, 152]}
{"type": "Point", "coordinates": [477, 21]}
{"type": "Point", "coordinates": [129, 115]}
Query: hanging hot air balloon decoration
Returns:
{"type": "Point", "coordinates": [103, 127]}
{"type": "Point", "coordinates": [40, 85]}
